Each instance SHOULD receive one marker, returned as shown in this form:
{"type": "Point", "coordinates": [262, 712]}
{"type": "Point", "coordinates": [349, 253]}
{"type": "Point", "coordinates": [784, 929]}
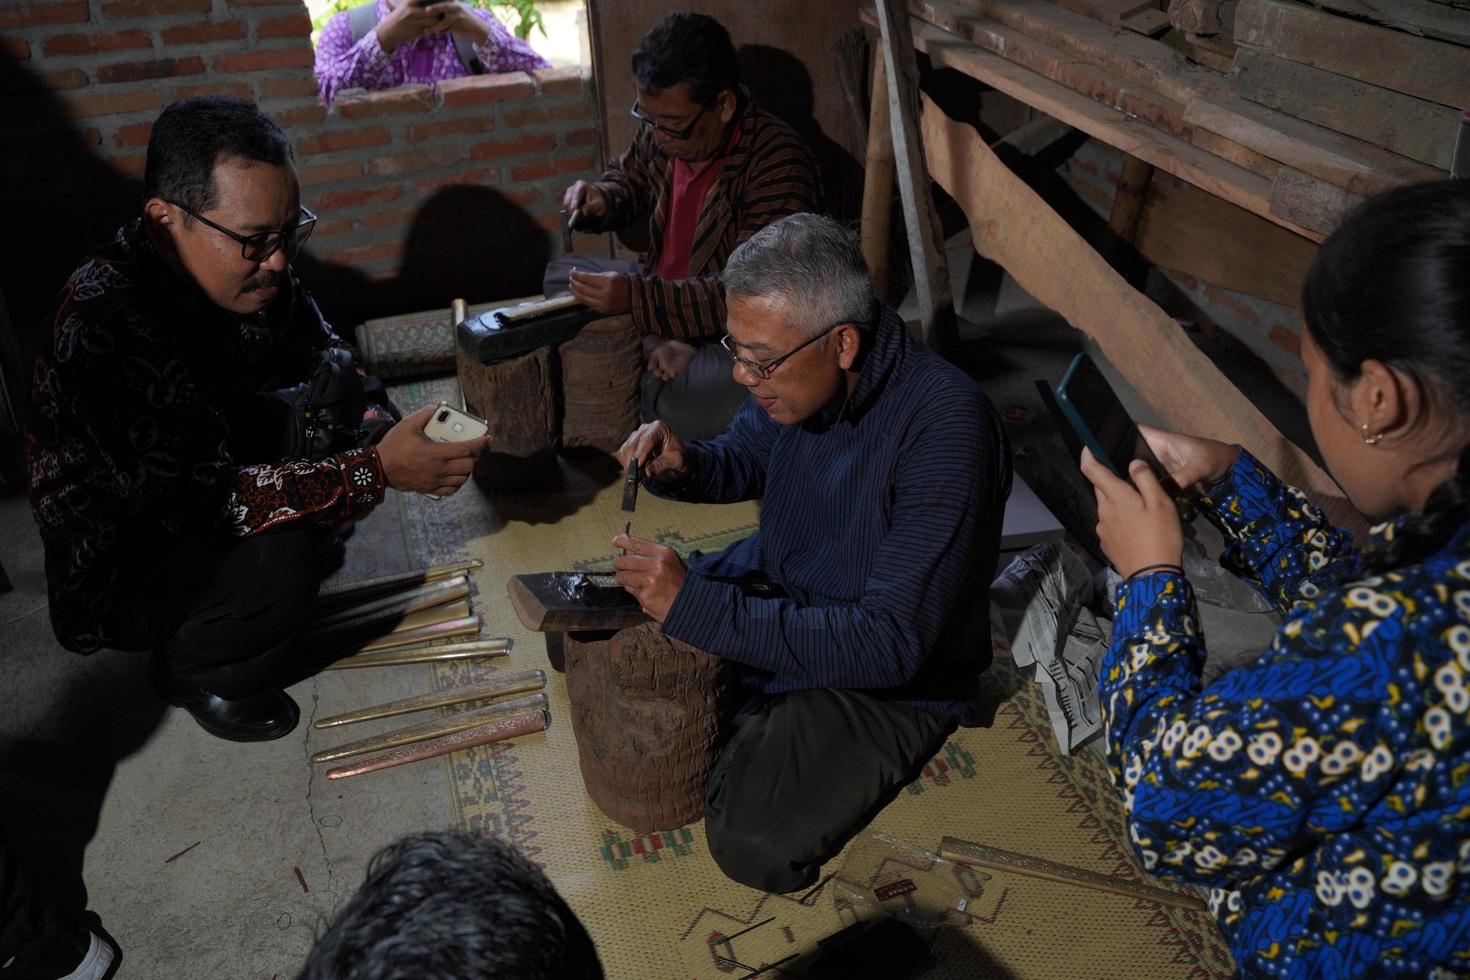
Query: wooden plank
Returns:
{"type": "Point", "coordinates": [1312, 203]}
{"type": "Point", "coordinates": [1424, 17]}
{"type": "Point", "coordinates": [1390, 59]}
{"type": "Point", "coordinates": [1417, 129]}
{"type": "Point", "coordinates": [1185, 230]}
{"type": "Point", "coordinates": [1199, 53]}
{"type": "Point", "coordinates": [1202, 16]}
{"type": "Point", "coordinates": [1014, 227]}
{"type": "Point", "coordinates": [926, 250]}
{"type": "Point", "coordinates": [1150, 23]}
{"type": "Point", "coordinates": [1138, 59]}
{"type": "Point", "coordinates": [1350, 163]}
{"type": "Point", "coordinates": [877, 219]}
{"type": "Point", "coordinates": [1110, 12]}
{"type": "Point", "coordinates": [1136, 138]}
{"type": "Point", "coordinates": [1035, 136]}
{"type": "Point", "coordinates": [1111, 89]}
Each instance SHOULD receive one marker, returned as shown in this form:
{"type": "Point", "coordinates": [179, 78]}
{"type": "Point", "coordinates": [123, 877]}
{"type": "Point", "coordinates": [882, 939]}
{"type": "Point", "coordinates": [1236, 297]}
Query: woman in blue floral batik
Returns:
{"type": "Point", "coordinates": [1322, 793]}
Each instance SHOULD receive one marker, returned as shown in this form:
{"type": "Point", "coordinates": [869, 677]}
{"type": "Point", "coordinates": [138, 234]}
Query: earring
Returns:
{"type": "Point", "coordinates": [1370, 440]}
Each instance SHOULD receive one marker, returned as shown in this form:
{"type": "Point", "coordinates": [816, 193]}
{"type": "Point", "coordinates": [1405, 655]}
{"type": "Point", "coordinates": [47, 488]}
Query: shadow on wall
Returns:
{"type": "Point", "coordinates": [782, 85]}
{"type": "Point", "coordinates": [465, 241]}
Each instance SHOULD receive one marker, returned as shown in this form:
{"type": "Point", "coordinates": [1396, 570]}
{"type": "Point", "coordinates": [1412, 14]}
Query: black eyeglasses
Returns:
{"type": "Point", "coordinates": [674, 134]}
{"type": "Point", "coordinates": [258, 248]}
{"type": "Point", "coordinates": [764, 369]}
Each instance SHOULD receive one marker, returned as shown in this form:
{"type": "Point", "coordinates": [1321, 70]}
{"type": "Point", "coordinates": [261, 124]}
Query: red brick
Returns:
{"type": "Point", "coordinates": [575, 165]}
{"type": "Point", "coordinates": [234, 90]}
{"type": "Point", "coordinates": [119, 9]}
{"type": "Point", "coordinates": [67, 78]}
{"type": "Point", "coordinates": [327, 227]}
{"type": "Point", "coordinates": [400, 163]}
{"type": "Point", "coordinates": [296, 25]}
{"type": "Point", "coordinates": [579, 137]}
{"type": "Point", "coordinates": [558, 81]}
{"type": "Point", "coordinates": [300, 56]}
{"type": "Point", "coordinates": [531, 171]}
{"type": "Point", "coordinates": [525, 197]}
{"type": "Point", "coordinates": [486, 178]}
{"type": "Point", "coordinates": [550, 220]}
{"type": "Point", "coordinates": [135, 134]}
{"type": "Point", "coordinates": [419, 132]}
{"type": "Point", "coordinates": [512, 148]}
{"type": "Point", "coordinates": [316, 174]}
{"type": "Point", "coordinates": [36, 14]}
{"type": "Point", "coordinates": [141, 71]}
{"type": "Point", "coordinates": [486, 89]}
{"type": "Point", "coordinates": [288, 88]}
{"type": "Point", "coordinates": [1243, 310]}
{"type": "Point", "coordinates": [366, 253]}
{"type": "Point", "coordinates": [308, 115]}
{"type": "Point", "coordinates": [370, 105]}
{"type": "Point", "coordinates": [15, 49]}
{"type": "Point", "coordinates": [358, 196]}
{"type": "Point", "coordinates": [94, 43]}
{"type": "Point", "coordinates": [350, 139]}
{"type": "Point", "coordinates": [131, 165]}
{"type": "Point", "coordinates": [112, 103]}
{"type": "Point", "coordinates": [380, 220]}
{"type": "Point", "coordinates": [535, 115]}
{"type": "Point", "coordinates": [1287, 339]}
{"type": "Point", "coordinates": [205, 33]}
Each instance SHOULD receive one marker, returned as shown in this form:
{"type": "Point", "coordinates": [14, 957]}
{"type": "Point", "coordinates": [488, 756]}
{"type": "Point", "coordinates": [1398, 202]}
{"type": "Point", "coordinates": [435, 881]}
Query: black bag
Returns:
{"type": "Point", "coordinates": [323, 415]}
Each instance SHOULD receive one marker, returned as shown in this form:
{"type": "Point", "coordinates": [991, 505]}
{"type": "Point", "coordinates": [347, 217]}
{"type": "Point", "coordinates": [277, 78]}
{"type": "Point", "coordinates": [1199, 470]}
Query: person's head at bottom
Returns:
{"type": "Point", "coordinates": [454, 907]}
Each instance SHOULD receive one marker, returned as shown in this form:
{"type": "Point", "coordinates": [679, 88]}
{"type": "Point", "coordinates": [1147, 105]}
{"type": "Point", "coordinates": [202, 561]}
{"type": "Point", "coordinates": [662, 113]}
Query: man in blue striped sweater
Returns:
{"type": "Point", "coordinates": [857, 611]}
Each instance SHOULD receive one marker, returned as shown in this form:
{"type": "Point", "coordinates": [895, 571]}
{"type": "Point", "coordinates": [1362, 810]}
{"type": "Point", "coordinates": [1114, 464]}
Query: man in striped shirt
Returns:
{"type": "Point", "coordinates": [708, 170]}
{"type": "Point", "coordinates": [857, 611]}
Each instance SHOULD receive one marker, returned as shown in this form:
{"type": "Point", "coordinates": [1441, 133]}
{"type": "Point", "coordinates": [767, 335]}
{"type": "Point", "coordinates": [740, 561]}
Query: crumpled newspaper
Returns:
{"type": "Point", "coordinates": [1039, 600]}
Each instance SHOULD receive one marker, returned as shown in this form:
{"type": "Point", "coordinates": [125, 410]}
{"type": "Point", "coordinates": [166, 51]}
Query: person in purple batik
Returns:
{"type": "Point", "coordinates": [413, 43]}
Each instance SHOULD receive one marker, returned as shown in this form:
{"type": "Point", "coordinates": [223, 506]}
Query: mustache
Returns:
{"type": "Point", "coordinates": [265, 280]}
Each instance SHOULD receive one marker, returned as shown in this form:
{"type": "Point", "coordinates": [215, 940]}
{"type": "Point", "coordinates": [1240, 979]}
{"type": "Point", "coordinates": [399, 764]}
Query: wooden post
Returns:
{"type": "Point", "coordinates": [877, 221]}
{"type": "Point", "coordinates": [1127, 210]}
{"type": "Point", "coordinates": [926, 248]}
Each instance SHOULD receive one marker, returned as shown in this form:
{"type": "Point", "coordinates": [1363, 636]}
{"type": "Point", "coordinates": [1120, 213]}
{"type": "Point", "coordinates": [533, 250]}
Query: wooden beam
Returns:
{"type": "Point", "coordinates": [1428, 69]}
{"type": "Point", "coordinates": [1109, 88]}
{"type": "Point", "coordinates": [1334, 157]}
{"type": "Point", "coordinates": [1202, 16]}
{"type": "Point", "coordinates": [1035, 136]}
{"type": "Point", "coordinates": [1014, 227]}
{"type": "Point", "coordinates": [1426, 17]}
{"type": "Point", "coordinates": [1128, 200]}
{"type": "Point", "coordinates": [1314, 203]}
{"type": "Point", "coordinates": [1419, 130]}
{"type": "Point", "coordinates": [877, 220]}
{"type": "Point", "coordinates": [1136, 138]}
{"type": "Point", "coordinates": [1185, 230]}
{"type": "Point", "coordinates": [1110, 12]}
{"type": "Point", "coordinates": [926, 249]}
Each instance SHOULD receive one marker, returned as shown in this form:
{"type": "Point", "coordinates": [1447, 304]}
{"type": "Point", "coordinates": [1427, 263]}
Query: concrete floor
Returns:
{"type": "Point", "coordinates": [188, 847]}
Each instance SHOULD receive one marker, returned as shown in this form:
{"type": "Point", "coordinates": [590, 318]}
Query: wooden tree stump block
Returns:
{"type": "Point", "coordinates": [517, 397]}
{"type": "Point", "coordinates": [646, 713]}
{"type": "Point", "coordinates": [600, 370]}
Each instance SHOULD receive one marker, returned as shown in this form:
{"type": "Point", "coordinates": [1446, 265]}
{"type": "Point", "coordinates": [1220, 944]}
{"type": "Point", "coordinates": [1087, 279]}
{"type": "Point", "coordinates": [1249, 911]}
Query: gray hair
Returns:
{"type": "Point", "coordinates": [813, 264]}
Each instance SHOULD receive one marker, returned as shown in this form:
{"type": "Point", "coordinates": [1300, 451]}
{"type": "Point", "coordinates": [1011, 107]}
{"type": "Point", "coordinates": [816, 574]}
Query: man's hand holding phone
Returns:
{"type": "Point", "coordinates": [413, 462]}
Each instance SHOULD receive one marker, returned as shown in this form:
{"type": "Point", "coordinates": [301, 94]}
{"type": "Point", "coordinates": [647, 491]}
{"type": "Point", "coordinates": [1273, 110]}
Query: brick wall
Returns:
{"type": "Point", "coordinates": [423, 195]}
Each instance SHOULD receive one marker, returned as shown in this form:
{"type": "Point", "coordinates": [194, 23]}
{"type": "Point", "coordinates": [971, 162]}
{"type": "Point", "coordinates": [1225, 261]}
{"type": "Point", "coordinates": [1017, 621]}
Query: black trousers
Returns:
{"type": "Point", "coordinates": [701, 401]}
{"type": "Point", "coordinates": [256, 594]}
{"type": "Point", "coordinates": [20, 916]}
{"type": "Point", "coordinates": [803, 771]}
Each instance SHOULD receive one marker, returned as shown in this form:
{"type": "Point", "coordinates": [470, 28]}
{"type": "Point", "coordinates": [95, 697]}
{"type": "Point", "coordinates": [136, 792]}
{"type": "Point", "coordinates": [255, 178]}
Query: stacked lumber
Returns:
{"type": "Point", "coordinates": [1139, 94]}
{"type": "Point", "coordinates": [1404, 92]}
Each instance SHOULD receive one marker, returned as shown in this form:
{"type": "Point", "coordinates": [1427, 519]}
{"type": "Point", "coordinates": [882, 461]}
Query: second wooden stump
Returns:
{"type": "Point", "coordinates": [517, 397]}
{"type": "Point", "coordinates": [646, 714]}
{"type": "Point", "coordinates": [600, 369]}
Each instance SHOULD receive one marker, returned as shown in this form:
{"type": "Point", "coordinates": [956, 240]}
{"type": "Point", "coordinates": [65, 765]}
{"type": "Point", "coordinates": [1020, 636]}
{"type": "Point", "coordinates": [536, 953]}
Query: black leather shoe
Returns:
{"type": "Point", "coordinates": [258, 717]}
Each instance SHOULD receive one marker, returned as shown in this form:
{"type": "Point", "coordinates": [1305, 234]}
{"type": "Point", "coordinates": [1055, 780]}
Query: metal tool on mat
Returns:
{"type": "Point", "coordinates": [359, 591]}
{"type": "Point", "coordinates": [465, 626]}
{"type": "Point", "coordinates": [980, 856]}
{"type": "Point", "coordinates": [456, 722]}
{"type": "Point", "coordinates": [394, 606]}
{"type": "Point", "coordinates": [517, 683]}
{"type": "Point", "coordinates": [498, 646]}
{"type": "Point", "coordinates": [511, 726]}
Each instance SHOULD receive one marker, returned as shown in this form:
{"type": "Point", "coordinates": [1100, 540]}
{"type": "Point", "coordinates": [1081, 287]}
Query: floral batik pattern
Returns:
{"type": "Point", "coordinates": [1321, 793]}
